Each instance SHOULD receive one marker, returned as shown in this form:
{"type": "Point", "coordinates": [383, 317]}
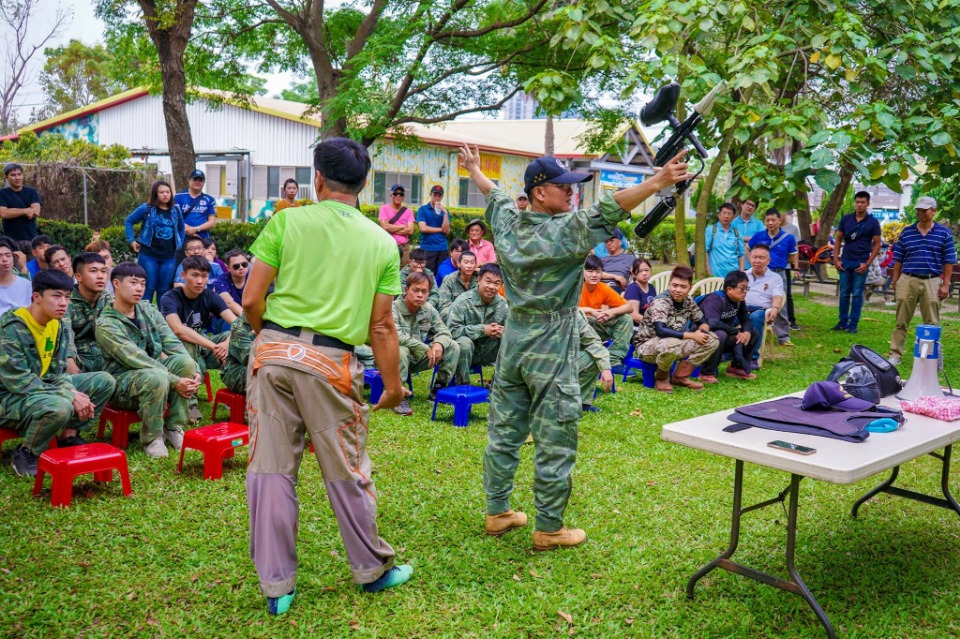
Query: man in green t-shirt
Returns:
{"type": "Point", "coordinates": [304, 375]}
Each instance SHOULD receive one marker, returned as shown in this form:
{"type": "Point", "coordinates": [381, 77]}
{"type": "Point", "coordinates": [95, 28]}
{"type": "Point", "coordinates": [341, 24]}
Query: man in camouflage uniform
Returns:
{"type": "Point", "coordinates": [662, 337]}
{"type": "Point", "coordinates": [150, 364]}
{"type": "Point", "coordinates": [37, 396]}
{"type": "Point", "coordinates": [418, 264]}
{"type": "Point", "coordinates": [234, 373]}
{"type": "Point", "coordinates": [541, 253]}
{"type": "Point", "coordinates": [593, 360]}
{"type": "Point", "coordinates": [476, 321]}
{"type": "Point", "coordinates": [465, 279]}
{"type": "Point", "coordinates": [87, 301]}
{"type": "Point", "coordinates": [425, 341]}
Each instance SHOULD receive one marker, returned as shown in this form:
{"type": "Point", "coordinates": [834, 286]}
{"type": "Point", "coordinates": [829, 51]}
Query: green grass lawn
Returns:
{"type": "Point", "coordinates": [172, 561]}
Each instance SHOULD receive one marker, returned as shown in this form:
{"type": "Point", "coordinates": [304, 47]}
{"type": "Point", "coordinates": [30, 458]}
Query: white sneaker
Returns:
{"type": "Point", "coordinates": [893, 359]}
{"type": "Point", "coordinates": [156, 449]}
{"type": "Point", "coordinates": [174, 437]}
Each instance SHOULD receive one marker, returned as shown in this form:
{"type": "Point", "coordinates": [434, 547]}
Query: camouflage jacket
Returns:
{"type": "Point", "coordinates": [434, 297]}
{"type": "Point", "coordinates": [417, 330]}
{"type": "Point", "coordinates": [20, 362]}
{"type": "Point", "coordinates": [468, 314]}
{"type": "Point", "coordinates": [234, 373]}
{"type": "Point", "coordinates": [541, 256]}
{"type": "Point", "coordinates": [662, 309]}
{"type": "Point", "coordinates": [591, 344]}
{"type": "Point", "coordinates": [129, 344]}
{"type": "Point", "coordinates": [451, 288]}
{"type": "Point", "coordinates": [80, 323]}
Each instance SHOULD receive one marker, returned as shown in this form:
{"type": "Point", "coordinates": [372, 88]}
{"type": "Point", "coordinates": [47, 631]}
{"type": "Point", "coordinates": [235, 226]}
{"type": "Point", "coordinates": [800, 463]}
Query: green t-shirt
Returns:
{"type": "Point", "coordinates": [331, 261]}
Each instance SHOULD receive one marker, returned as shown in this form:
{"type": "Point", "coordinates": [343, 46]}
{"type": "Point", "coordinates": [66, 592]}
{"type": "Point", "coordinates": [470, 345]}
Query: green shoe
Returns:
{"type": "Point", "coordinates": [396, 576]}
{"type": "Point", "coordinates": [281, 604]}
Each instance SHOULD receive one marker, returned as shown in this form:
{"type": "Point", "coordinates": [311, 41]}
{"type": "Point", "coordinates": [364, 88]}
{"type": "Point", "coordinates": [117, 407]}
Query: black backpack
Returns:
{"type": "Point", "coordinates": [886, 374]}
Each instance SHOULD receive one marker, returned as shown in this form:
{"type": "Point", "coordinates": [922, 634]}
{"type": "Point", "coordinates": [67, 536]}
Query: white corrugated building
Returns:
{"type": "Point", "coordinates": [249, 149]}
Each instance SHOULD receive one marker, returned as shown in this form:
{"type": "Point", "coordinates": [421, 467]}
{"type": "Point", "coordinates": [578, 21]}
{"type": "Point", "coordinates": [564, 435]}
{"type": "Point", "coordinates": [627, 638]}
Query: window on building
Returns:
{"type": "Point", "coordinates": [268, 181]}
{"type": "Point", "coordinates": [304, 177]}
{"type": "Point", "coordinates": [470, 195]}
{"type": "Point", "coordinates": [413, 184]}
{"type": "Point", "coordinates": [273, 181]}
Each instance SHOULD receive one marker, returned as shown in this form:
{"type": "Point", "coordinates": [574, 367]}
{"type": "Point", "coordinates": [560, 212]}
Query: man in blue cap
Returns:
{"type": "Point", "coordinates": [199, 209]}
{"type": "Point", "coordinates": [541, 252]}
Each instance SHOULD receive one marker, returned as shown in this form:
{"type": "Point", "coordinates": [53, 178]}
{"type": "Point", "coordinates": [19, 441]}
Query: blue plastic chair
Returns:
{"type": "Point", "coordinates": [371, 377]}
{"type": "Point", "coordinates": [462, 398]}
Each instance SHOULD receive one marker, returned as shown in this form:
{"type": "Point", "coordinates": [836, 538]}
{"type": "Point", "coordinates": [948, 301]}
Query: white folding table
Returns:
{"type": "Point", "coordinates": [835, 461]}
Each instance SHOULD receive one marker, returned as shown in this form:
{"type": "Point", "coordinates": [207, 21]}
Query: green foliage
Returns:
{"type": "Point", "coordinates": [891, 231]}
{"type": "Point", "coordinates": [946, 191]}
{"type": "Point", "coordinates": [31, 148]}
{"type": "Point", "coordinates": [236, 235]}
{"type": "Point", "coordinates": [118, 243]}
{"type": "Point", "coordinates": [74, 75]}
{"type": "Point", "coordinates": [661, 243]}
{"type": "Point", "coordinates": [73, 236]}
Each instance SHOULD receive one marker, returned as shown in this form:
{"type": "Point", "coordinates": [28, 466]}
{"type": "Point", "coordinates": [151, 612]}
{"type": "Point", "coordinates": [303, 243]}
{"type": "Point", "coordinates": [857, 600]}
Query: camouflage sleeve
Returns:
{"type": "Point", "coordinates": [458, 318]}
{"type": "Point", "coordinates": [434, 297]}
{"type": "Point", "coordinates": [170, 343]}
{"type": "Point", "coordinates": [18, 358]}
{"type": "Point", "coordinates": [445, 296]}
{"type": "Point", "coordinates": [588, 227]}
{"type": "Point", "coordinates": [241, 338]}
{"type": "Point", "coordinates": [57, 371]}
{"type": "Point", "coordinates": [403, 332]}
{"type": "Point", "coordinates": [497, 201]}
{"type": "Point", "coordinates": [439, 332]}
{"type": "Point", "coordinates": [591, 343]}
{"type": "Point", "coordinates": [115, 344]}
{"type": "Point", "coordinates": [66, 325]}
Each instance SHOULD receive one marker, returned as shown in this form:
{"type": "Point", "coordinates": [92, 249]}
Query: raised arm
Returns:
{"type": "Point", "coordinates": [470, 159]}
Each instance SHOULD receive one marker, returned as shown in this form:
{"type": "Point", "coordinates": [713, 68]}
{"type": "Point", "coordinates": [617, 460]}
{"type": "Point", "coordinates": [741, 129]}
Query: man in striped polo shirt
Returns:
{"type": "Point", "coordinates": [923, 256]}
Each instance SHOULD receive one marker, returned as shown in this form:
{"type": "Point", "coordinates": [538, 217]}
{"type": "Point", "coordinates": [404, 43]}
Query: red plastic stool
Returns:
{"type": "Point", "coordinates": [64, 464]}
{"type": "Point", "coordinates": [236, 402]}
{"type": "Point", "coordinates": [122, 420]}
{"type": "Point", "coordinates": [10, 433]}
{"type": "Point", "coordinates": [206, 382]}
{"type": "Point", "coordinates": [216, 442]}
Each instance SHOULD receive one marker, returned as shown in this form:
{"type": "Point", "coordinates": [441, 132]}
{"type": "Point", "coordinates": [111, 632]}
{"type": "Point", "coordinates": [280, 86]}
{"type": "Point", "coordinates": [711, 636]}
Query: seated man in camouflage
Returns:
{"type": "Point", "coordinates": [418, 264]}
{"type": "Point", "coordinates": [37, 396]}
{"type": "Point", "coordinates": [465, 279]}
{"type": "Point", "coordinates": [476, 320]}
{"type": "Point", "coordinates": [151, 366]}
{"type": "Point", "coordinates": [608, 313]}
{"type": "Point", "coordinates": [593, 360]}
{"type": "Point", "coordinates": [425, 341]}
{"type": "Point", "coordinates": [666, 334]}
{"type": "Point", "coordinates": [87, 301]}
{"type": "Point", "coordinates": [190, 312]}
{"type": "Point", "coordinates": [234, 373]}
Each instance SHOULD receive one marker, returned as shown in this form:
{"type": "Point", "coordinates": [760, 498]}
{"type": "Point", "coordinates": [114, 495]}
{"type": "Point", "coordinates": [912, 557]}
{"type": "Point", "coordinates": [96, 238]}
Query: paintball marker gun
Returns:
{"type": "Point", "coordinates": [661, 108]}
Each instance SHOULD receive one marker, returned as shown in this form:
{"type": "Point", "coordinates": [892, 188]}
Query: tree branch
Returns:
{"type": "Point", "coordinates": [473, 33]}
{"type": "Point", "coordinates": [449, 116]}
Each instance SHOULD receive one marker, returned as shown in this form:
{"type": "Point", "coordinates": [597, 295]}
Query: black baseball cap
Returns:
{"type": "Point", "coordinates": [436, 188]}
{"type": "Point", "coordinates": [398, 187]}
{"type": "Point", "coordinates": [197, 173]}
{"type": "Point", "coordinates": [549, 169]}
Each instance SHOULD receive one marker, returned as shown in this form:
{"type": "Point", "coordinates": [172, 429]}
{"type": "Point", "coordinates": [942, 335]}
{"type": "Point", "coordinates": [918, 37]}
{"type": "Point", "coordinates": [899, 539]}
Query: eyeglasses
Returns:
{"type": "Point", "coordinates": [197, 180]}
{"type": "Point", "coordinates": [239, 266]}
{"type": "Point", "coordinates": [397, 194]}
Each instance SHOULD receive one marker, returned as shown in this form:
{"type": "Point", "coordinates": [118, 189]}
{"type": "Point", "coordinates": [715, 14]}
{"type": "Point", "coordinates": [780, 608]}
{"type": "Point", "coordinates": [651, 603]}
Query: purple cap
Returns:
{"type": "Point", "coordinates": [823, 395]}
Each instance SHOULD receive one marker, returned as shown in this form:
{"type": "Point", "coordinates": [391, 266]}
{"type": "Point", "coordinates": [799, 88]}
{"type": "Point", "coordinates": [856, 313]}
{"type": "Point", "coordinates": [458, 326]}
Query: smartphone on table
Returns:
{"type": "Point", "coordinates": [779, 444]}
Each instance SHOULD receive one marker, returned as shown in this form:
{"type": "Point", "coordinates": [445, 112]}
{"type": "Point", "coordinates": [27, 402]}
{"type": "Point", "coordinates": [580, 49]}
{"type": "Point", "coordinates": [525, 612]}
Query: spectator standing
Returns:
{"type": "Point", "coordinates": [765, 296]}
{"type": "Point", "coordinates": [607, 313]}
{"type": "Point", "coordinates": [454, 286]}
{"type": "Point", "coordinates": [87, 301]}
{"type": "Point", "coordinates": [724, 246]}
{"type": "Point", "coordinates": [15, 291]}
{"type": "Point", "coordinates": [433, 219]}
{"type": "Point", "coordinates": [616, 263]}
{"type": "Point", "coordinates": [37, 396]}
{"type": "Point", "coordinates": [725, 312]}
{"type": "Point", "coordinates": [229, 286]}
{"type": "Point", "coordinates": [786, 223]}
{"type": "Point", "coordinates": [746, 224]}
{"type": "Point", "coordinates": [481, 248]}
{"type": "Point", "coordinates": [923, 260]}
{"type": "Point", "coordinates": [640, 292]}
{"type": "Point", "coordinates": [306, 343]}
{"type": "Point", "coordinates": [397, 220]}
{"type": "Point", "coordinates": [452, 263]}
{"type": "Point", "coordinates": [783, 255]}
{"type": "Point", "coordinates": [199, 210]}
{"type": "Point", "coordinates": [522, 202]}
{"type": "Point", "coordinates": [161, 236]}
{"type": "Point", "coordinates": [289, 199]}
{"type": "Point", "coordinates": [19, 205]}
{"type": "Point", "coordinates": [856, 246]}
{"type": "Point", "coordinates": [38, 248]}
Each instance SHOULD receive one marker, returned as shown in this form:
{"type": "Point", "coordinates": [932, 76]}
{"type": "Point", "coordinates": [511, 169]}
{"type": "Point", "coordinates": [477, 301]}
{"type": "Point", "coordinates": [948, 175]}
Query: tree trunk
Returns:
{"type": "Point", "coordinates": [680, 231]}
{"type": "Point", "coordinates": [703, 203]}
{"type": "Point", "coordinates": [548, 136]}
{"type": "Point", "coordinates": [804, 218]}
{"type": "Point", "coordinates": [833, 204]}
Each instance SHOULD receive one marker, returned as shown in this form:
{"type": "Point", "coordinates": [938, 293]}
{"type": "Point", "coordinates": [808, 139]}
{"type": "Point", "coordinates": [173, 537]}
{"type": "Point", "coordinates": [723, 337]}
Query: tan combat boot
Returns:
{"type": "Point", "coordinates": [565, 537]}
{"type": "Point", "coordinates": [499, 524]}
{"type": "Point", "coordinates": [681, 376]}
{"type": "Point", "coordinates": [661, 381]}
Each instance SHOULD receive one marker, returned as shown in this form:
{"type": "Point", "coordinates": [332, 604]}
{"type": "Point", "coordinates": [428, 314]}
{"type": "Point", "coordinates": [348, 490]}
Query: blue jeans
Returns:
{"type": "Point", "coordinates": [851, 283]}
{"type": "Point", "coordinates": [758, 317]}
{"type": "Point", "coordinates": [159, 275]}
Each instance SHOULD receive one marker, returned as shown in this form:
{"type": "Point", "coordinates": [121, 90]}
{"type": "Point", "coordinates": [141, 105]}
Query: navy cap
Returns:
{"type": "Point", "coordinates": [827, 395]}
{"type": "Point", "coordinates": [398, 187]}
{"type": "Point", "coordinates": [550, 170]}
{"type": "Point", "coordinates": [197, 173]}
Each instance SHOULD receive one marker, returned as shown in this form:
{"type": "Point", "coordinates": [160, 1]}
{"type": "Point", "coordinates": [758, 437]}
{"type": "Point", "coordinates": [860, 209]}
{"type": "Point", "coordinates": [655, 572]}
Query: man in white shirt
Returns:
{"type": "Point", "coordinates": [765, 295]}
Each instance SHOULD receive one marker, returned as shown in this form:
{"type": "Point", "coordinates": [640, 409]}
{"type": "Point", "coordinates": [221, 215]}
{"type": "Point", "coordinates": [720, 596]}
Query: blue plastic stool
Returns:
{"type": "Point", "coordinates": [462, 398]}
{"type": "Point", "coordinates": [613, 389]}
{"type": "Point", "coordinates": [371, 377]}
{"type": "Point", "coordinates": [476, 369]}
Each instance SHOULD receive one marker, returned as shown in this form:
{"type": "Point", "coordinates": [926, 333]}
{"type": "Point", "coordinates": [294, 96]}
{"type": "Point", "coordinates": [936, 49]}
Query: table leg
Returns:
{"type": "Point", "coordinates": [795, 585]}
{"type": "Point", "coordinates": [947, 501]}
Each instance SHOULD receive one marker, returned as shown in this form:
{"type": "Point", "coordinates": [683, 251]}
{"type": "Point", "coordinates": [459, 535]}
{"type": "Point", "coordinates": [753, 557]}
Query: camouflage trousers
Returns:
{"type": "Point", "coordinates": [41, 415]}
{"type": "Point", "coordinates": [415, 360]}
{"type": "Point", "coordinates": [536, 392]}
{"type": "Point", "coordinates": [664, 351]}
{"type": "Point", "coordinates": [149, 390]}
{"type": "Point", "coordinates": [234, 377]}
{"type": "Point", "coordinates": [204, 358]}
{"type": "Point", "coordinates": [587, 371]}
{"type": "Point", "coordinates": [619, 331]}
{"type": "Point", "coordinates": [364, 355]}
{"type": "Point", "coordinates": [483, 352]}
